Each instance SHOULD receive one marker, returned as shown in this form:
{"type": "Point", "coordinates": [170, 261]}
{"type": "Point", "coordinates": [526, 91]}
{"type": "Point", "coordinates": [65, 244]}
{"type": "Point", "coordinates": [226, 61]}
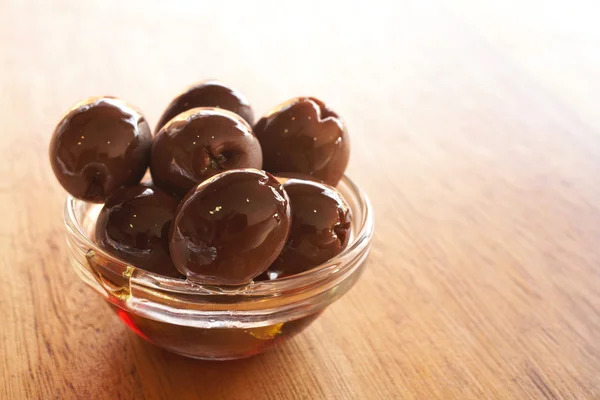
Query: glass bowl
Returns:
{"type": "Point", "coordinates": [212, 322]}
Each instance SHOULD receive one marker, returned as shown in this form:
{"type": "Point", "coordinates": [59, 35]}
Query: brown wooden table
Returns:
{"type": "Point", "coordinates": [475, 130]}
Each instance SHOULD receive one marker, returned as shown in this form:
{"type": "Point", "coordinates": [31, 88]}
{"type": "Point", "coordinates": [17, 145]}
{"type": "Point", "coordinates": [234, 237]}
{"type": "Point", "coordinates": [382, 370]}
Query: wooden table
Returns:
{"type": "Point", "coordinates": [475, 130]}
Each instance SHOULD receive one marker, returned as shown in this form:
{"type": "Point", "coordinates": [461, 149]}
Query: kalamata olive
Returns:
{"type": "Point", "coordinates": [198, 144]}
{"type": "Point", "coordinates": [230, 228]}
{"type": "Point", "coordinates": [304, 136]}
{"type": "Point", "coordinates": [211, 93]}
{"type": "Point", "coordinates": [134, 226]}
{"type": "Point", "coordinates": [321, 222]}
{"type": "Point", "coordinates": [99, 146]}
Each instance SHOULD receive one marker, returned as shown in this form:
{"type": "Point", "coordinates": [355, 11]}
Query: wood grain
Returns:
{"type": "Point", "coordinates": [475, 130]}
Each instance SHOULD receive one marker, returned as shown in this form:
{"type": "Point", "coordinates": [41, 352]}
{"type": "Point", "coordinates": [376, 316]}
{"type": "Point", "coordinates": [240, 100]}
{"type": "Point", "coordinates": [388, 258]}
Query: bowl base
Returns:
{"type": "Point", "coordinates": [217, 344]}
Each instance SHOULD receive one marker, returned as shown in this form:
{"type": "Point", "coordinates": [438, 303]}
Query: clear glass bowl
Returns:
{"type": "Point", "coordinates": [211, 322]}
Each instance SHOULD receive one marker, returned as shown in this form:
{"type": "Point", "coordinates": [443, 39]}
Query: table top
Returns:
{"type": "Point", "coordinates": [475, 132]}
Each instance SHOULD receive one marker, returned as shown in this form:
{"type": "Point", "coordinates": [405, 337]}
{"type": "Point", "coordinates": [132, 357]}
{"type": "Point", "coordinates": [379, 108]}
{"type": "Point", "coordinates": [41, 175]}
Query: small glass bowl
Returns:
{"type": "Point", "coordinates": [212, 322]}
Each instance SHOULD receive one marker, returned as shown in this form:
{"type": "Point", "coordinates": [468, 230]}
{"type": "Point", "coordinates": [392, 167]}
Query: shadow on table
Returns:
{"type": "Point", "coordinates": [162, 374]}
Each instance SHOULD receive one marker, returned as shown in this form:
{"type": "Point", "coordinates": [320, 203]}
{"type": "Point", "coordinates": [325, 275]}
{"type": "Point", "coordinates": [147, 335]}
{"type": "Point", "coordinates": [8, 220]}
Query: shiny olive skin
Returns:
{"type": "Point", "coordinates": [230, 228]}
{"type": "Point", "coordinates": [304, 136]}
{"type": "Point", "coordinates": [211, 93]}
{"type": "Point", "coordinates": [99, 146]}
{"type": "Point", "coordinates": [285, 176]}
{"type": "Point", "coordinates": [321, 223]}
{"type": "Point", "coordinates": [134, 226]}
{"type": "Point", "coordinates": [198, 144]}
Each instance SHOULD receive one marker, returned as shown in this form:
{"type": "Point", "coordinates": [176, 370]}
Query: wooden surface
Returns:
{"type": "Point", "coordinates": [475, 129]}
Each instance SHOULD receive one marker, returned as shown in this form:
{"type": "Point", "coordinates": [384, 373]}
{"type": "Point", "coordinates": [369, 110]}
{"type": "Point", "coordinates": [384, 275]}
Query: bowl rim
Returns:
{"type": "Point", "coordinates": [340, 266]}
